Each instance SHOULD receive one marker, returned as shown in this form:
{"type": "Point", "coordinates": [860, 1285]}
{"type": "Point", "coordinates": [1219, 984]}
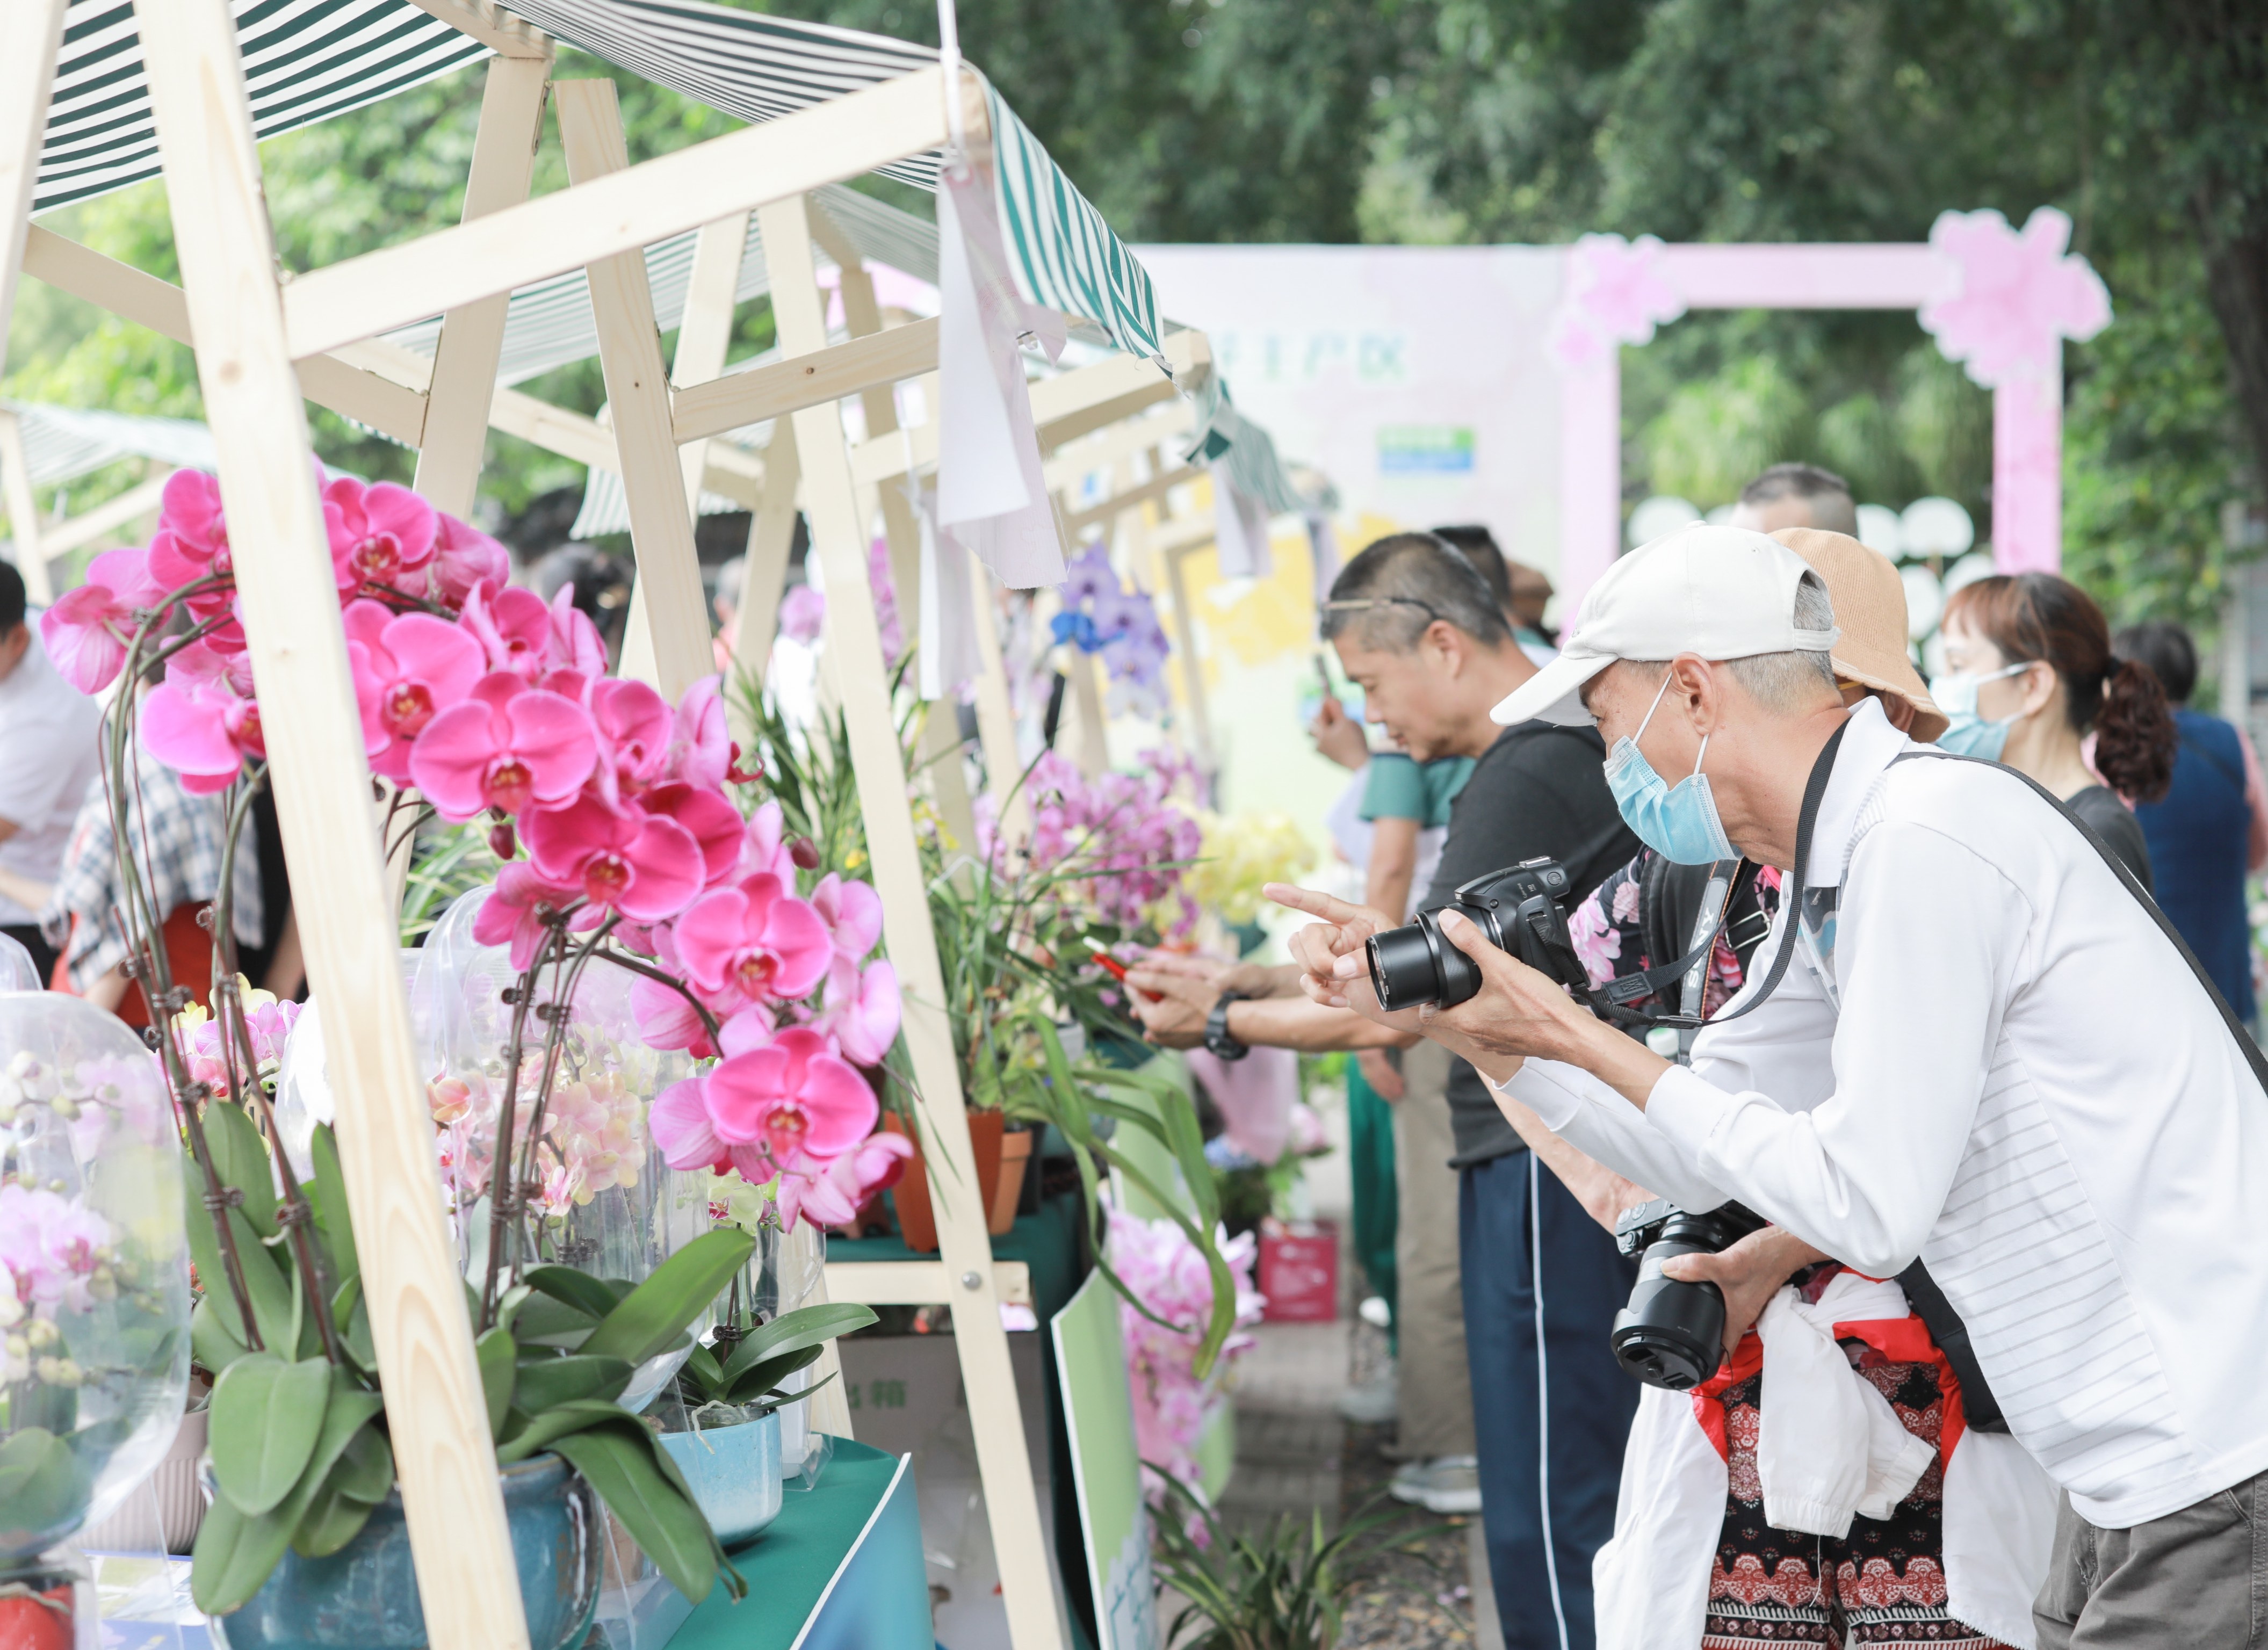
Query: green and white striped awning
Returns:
{"type": "Point", "coordinates": [62, 444]}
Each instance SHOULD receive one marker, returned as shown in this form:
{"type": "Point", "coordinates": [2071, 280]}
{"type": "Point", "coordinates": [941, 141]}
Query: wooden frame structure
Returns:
{"type": "Point", "coordinates": [261, 345]}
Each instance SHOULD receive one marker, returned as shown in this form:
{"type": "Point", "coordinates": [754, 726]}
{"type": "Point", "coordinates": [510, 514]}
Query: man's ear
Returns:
{"type": "Point", "coordinates": [1701, 687]}
{"type": "Point", "coordinates": [1443, 643]}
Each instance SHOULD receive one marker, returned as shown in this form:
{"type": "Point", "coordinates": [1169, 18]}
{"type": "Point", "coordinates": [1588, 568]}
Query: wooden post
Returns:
{"type": "Point", "coordinates": [771, 535]}
{"type": "Point", "coordinates": [670, 647]}
{"type": "Point", "coordinates": [996, 715]}
{"type": "Point", "coordinates": [1185, 644]}
{"type": "Point", "coordinates": [434, 1412]}
{"type": "Point", "coordinates": [455, 440]}
{"type": "Point", "coordinates": [830, 501]}
{"type": "Point", "coordinates": [23, 511]}
{"type": "Point", "coordinates": [705, 332]}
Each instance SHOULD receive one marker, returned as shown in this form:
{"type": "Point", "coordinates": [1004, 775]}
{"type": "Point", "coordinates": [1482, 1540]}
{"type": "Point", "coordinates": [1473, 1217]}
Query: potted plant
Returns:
{"type": "Point", "coordinates": [729, 1451]}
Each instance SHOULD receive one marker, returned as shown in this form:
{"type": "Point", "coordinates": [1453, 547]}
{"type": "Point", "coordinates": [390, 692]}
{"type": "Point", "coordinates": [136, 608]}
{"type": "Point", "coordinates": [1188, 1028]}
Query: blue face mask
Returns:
{"type": "Point", "coordinates": [1678, 822]}
{"type": "Point", "coordinates": [1970, 734]}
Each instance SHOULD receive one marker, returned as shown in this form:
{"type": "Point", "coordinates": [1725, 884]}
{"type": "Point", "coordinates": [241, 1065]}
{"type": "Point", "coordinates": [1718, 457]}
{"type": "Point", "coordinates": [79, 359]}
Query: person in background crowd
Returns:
{"type": "Point", "coordinates": [1417, 629]}
{"type": "Point", "coordinates": [1522, 592]}
{"type": "Point", "coordinates": [1405, 805]}
{"type": "Point", "coordinates": [2212, 825]}
{"type": "Point", "coordinates": [730, 576]}
{"type": "Point", "coordinates": [2032, 676]}
{"type": "Point", "coordinates": [1797, 496]}
{"type": "Point", "coordinates": [50, 748]}
{"type": "Point", "coordinates": [602, 588]}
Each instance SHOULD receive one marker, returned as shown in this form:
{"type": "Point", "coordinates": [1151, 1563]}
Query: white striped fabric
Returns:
{"type": "Point", "coordinates": [306, 61]}
{"type": "Point", "coordinates": [62, 444]}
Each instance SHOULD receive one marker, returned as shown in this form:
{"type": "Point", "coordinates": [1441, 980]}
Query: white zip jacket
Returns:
{"type": "Point", "coordinates": [2027, 1089]}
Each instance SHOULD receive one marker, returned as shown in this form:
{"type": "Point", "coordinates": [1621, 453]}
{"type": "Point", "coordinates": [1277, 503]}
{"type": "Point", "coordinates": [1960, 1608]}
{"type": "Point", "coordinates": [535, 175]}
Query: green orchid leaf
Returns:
{"type": "Point", "coordinates": [764, 1403]}
{"type": "Point", "coordinates": [266, 1416]}
{"type": "Point", "coordinates": [758, 1379]}
{"type": "Point", "coordinates": [496, 1352]}
{"type": "Point", "coordinates": [619, 1462]}
{"type": "Point", "coordinates": [793, 1332]}
{"type": "Point", "coordinates": [509, 1303]}
{"type": "Point", "coordinates": [587, 1294]}
{"type": "Point", "coordinates": [237, 1551]}
{"type": "Point", "coordinates": [241, 1159]}
{"type": "Point", "coordinates": [333, 1520]}
{"type": "Point", "coordinates": [702, 1369]}
{"type": "Point", "coordinates": [544, 1383]}
{"type": "Point", "coordinates": [263, 1279]}
{"type": "Point", "coordinates": [651, 1316]}
{"type": "Point", "coordinates": [364, 1470]}
{"type": "Point", "coordinates": [544, 1321]}
{"type": "Point", "coordinates": [326, 1193]}
{"type": "Point", "coordinates": [350, 1315]}
{"type": "Point", "coordinates": [209, 1340]}
{"type": "Point", "coordinates": [43, 1481]}
{"type": "Point", "coordinates": [542, 1431]}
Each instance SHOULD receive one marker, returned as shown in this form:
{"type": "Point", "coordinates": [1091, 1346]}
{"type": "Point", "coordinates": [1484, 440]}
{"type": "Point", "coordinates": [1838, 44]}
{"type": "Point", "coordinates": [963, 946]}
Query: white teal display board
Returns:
{"type": "Point", "coordinates": [1098, 1410]}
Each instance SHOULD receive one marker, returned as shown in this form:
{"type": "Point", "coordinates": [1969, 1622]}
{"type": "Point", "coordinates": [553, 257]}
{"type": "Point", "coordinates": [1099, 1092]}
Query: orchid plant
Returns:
{"type": "Point", "coordinates": [618, 842]}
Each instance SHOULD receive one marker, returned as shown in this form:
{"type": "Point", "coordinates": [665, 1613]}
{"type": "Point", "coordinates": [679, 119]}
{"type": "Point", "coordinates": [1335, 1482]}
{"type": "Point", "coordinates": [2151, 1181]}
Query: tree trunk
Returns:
{"type": "Point", "coordinates": [2236, 281]}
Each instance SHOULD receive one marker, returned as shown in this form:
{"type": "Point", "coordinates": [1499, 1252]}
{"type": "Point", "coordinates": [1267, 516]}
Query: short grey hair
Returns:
{"type": "Point", "coordinates": [1828, 494]}
{"type": "Point", "coordinates": [1788, 682]}
{"type": "Point", "coordinates": [1410, 579]}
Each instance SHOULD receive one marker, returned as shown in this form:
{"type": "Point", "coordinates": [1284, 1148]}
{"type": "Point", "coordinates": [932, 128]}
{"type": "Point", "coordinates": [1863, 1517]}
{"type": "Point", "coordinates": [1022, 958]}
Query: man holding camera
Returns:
{"type": "Point", "coordinates": [1971, 1041]}
{"type": "Point", "coordinates": [1419, 631]}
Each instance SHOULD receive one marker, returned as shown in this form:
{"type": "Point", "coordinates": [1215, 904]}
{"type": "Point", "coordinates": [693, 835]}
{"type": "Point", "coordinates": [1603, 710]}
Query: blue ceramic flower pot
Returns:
{"type": "Point", "coordinates": [365, 1596]}
{"type": "Point", "coordinates": [734, 1472]}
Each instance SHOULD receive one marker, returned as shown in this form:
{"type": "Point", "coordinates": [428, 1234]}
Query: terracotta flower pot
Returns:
{"type": "Point", "coordinates": [916, 1214]}
{"type": "Point", "coordinates": [1015, 1158]}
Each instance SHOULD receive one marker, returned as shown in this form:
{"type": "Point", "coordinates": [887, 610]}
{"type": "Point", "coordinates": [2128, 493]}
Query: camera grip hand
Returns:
{"type": "Point", "coordinates": [1517, 1010]}
{"type": "Point", "coordinates": [1747, 1274]}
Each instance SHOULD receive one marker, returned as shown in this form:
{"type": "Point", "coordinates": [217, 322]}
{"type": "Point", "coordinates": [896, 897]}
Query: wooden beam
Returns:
{"type": "Point", "coordinates": [1137, 493]}
{"type": "Point", "coordinates": [995, 714]}
{"type": "Point", "coordinates": [712, 294]}
{"type": "Point", "coordinates": [454, 443]}
{"type": "Point", "coordinates": [126, 291]}
{"type": "Point", "coordinates": [919, 1283]}
{"type": "Point", "coordinates": [671, 649]}
{"type": "Point", "coordinates": [764, 567]}
{"type": "Point", "coordinates": [839, 540]}
{"type": "Point", "coordinates": [1075, 462]}
{"type": "Point", "coordinates": [773, 391]}
{"type": "Point", "coordinates": [23, 502]}
{"type": "Point", "coordinates": [1086, 420]}
{"type": "Point", "coordinates": [828, 143]}
{"type": "Point", "coordinates": [493, 26]}
{"type": "Point", "coordinates": [435, 1413]}
{"type": "Point", "coordinates": [106, 517]}
{"type": "Point", "coordinates": [30, 34]}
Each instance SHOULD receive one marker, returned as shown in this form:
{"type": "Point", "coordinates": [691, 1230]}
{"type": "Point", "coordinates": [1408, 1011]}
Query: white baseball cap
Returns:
{"type": "Point", "coordinates": [1720, 592]}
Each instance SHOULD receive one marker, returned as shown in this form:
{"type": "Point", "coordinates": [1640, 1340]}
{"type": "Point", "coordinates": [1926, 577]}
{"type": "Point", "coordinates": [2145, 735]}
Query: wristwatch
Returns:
{"type": "Point", "coordinates": [1218, 1042]}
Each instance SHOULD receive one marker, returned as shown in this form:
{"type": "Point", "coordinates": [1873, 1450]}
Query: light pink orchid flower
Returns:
{"type": "Point", "coordinates": [634, 723]}
{"type": "Point", "coordinates": [513, 628]}
{"type": "Point", "coordinates": [466, 559]}
{"type": "Point", "coordinates": [572, 642]}
{"type": "Point", "coordinates": [203, 721]}
{"type": "Point", "coordinates": [86, 631]}
{"type": "Point", "coordinates": [852, 912]}
{"type": "Point", "coordinates": [830, 1193]}
{"type": "Point", "coordinates": [752, 942]}
{"type": "Point", "coordinates": [863, 1011]}
{"type": "Point", "coordinates": [701, 745]}
{"type": "Point", "coordinates": [514, 910]}
{"type": "Point", "coordinates": [508, 747]}
{"type": "Point", "coordinates": [792, 1098]}
{"type": "Point", "coordinates": [406, 667]}
{"type": "Point", "coordinates": [381, 534]}
{"type": "Point", "coordinates": [192, 539]}
{"type": "Point", "coordinates": [643, 865]}
{"type": "Point", "coordinates": [764, 851]}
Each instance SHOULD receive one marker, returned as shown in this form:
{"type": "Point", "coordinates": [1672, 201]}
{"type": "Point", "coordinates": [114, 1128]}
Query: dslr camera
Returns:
{"type": "Point", "coordinates": [1521, 910]}
{"type": "Point", "coordinates": [1672, 1334]}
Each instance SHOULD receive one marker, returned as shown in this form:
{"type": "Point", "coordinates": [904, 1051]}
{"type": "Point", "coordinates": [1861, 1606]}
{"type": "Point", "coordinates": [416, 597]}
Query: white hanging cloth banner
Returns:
{"type": "Point", "coordinates": [1240, 530]}
{"type": "Point", "coordinates": [991, 497]}
{"type": "Point", "coordinates": [1323, 550]}
{"type": "Point", "coordinates": [948, 654]}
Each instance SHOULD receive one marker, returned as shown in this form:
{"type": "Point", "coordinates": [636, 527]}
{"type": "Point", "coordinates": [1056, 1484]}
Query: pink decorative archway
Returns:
{"type": "Point", "coordinates": [1998, 301]}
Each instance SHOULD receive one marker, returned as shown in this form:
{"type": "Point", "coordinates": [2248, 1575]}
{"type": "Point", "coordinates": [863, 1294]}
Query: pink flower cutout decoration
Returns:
{"type": "Point", "coordinates": [2012, 298]}
{"type": "Point", "coordinates": [508, 747]}
{"type": "Point", "coordinates": [1615, 294]}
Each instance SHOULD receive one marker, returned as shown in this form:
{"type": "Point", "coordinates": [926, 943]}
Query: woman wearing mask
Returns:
{"type": "Point", "coordinates": [2031, 675]}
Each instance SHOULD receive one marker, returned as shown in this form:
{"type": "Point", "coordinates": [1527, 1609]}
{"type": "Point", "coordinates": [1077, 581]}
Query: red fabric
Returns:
{"type": "Point", "coordinates": [1708, 1398]}
{"type": "Point", "coordinates": [188, 951]}
{"type": "Point", "coordinates": [1902, 1340]}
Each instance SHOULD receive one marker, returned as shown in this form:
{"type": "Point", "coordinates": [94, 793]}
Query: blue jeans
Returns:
{"type": "Point", "coordinates": [1546, 1506]}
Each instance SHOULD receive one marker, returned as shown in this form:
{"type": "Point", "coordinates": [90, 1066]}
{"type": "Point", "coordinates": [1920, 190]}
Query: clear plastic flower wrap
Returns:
{"type": "Point", "coordinates": [607, 1202]}
{"type": "Point", "coordinates": [94, 1273]}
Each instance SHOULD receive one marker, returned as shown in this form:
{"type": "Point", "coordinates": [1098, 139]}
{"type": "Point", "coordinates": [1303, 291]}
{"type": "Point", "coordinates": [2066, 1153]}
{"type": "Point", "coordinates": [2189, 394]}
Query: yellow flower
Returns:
{"type": "Point", "coordinates": [1241, 856]}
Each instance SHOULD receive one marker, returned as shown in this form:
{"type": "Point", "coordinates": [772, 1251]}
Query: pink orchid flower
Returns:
{"type": "Point", "coordinates": [573, 640]}
{"type": "Point", "coordinates": [407, 667]}
{"type": "Point", "coordinates": [86, 631]}
{"type": "Point", "coordinates": [513, 628]}
{"type": "Point", "coordinates": [466, 559]}
{"type": "Point", "coordinates": [830, 1193]}
{"type": "Point", "coordinates": [700, 748]}
{"type": "Point", "coordinates": [863, 1011]}
{"type": "Point", "coordinates": [192, 538]}
{"type": "Point", "coordinates": [790, 1097]}
{"type": "Point", "coordinates": [714, 823]}
{"type": "Point", "coordinates": [645, 866]}
{"type": "Point", "coordinates": [634, 727]}
{"type": "Point", "coordinates": [667, 1020]}
{"type": "Point", "coordinates": [508, 747]}
{"type": "Point", "coordinates": [203, 721]}
{"type": "Point", "coordinates": [802, 613]}
{"type": "Point", "coordinates": [679, 1121]}
{"type": "Point", "coordinates": [764, 850]}
{"type": "Point", "coordinates": [752, 942]}
{"type": "Point", "coordinates": [852, 912]}
{"type": "Point", "coordinates": [381, 534]}
{"type": "Point", "coordinates": [514, 910]}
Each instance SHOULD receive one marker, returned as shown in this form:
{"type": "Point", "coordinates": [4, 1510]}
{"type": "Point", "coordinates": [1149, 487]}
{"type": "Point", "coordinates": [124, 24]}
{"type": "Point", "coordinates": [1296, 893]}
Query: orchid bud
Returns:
{"type": "Point", "coordinates": [502, 842]}
{"type": "Point", "coordinates": [805, 852]}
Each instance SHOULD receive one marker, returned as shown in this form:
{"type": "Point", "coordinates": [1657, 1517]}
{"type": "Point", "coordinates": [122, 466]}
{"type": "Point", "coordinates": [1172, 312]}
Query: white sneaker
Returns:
{"type": "Point", "coordinates": [1376, 1313]}
{"type": "Point", "coordinates": [1374, 1403]}
{"type": "Point", "coordinates": [1447, 1484]}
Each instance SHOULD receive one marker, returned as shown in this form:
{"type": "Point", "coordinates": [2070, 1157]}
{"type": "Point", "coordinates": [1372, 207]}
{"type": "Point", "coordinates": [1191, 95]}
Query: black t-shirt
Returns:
{"type": "Point", "coordinates": [1539, 789]}
{"type": "Point", "coordinates": [2101, 812]}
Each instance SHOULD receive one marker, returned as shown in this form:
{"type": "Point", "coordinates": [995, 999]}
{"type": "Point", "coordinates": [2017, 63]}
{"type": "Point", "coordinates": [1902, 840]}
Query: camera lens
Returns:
{"type": "Point", "coordinates": [1401, 967]}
